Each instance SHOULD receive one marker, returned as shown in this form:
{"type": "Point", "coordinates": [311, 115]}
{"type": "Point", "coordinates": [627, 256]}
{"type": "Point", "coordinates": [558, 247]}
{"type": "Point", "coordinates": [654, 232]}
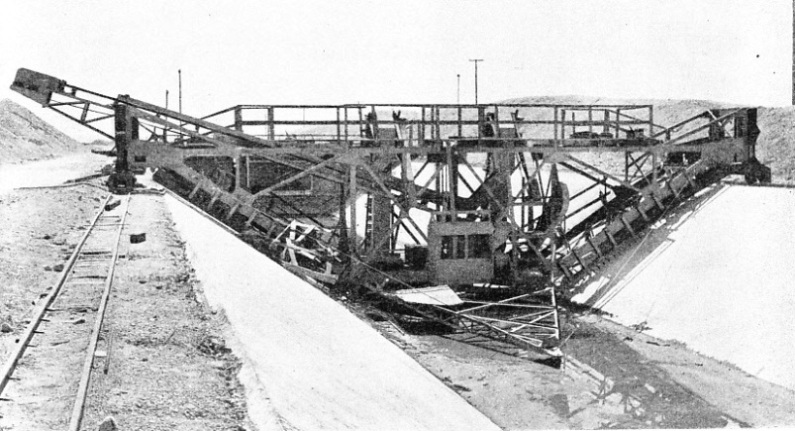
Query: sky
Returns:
{"type": "Point", "coordinates": [407, 51]}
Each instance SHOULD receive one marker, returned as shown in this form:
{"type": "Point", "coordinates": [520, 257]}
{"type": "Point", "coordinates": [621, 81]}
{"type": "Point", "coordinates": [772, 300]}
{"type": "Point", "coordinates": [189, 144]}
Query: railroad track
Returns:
{"type": "Point", "coordinates": [49, 370]}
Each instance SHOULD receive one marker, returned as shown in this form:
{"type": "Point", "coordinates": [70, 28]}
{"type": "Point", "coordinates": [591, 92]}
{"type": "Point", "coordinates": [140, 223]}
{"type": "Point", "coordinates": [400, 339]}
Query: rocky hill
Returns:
{"type": "Point", "coordinates": [775, 146]}
{"type": "Point", "coordinates": [24, 136]}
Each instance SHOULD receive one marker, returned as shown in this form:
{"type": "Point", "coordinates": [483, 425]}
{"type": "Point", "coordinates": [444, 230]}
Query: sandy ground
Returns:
{"type": "Point", "coordinates": [169, 367]}
{"type": "Point", "coordinates": [720, 280]}
{"type": "Point", "coordinates": [319, 366]}
{"type": "Point", "coordinates": [50, 172]}
{"type": "Point", "coordinates": [51, 372]}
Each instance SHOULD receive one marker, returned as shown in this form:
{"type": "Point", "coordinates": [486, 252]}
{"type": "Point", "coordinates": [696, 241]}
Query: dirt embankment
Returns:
{"type": "Point", "coordinates": [24, 136]}
{"type": "Point", "coordinates": [169, 368]}
{"type": "Point", "coordinates": [775, 145]}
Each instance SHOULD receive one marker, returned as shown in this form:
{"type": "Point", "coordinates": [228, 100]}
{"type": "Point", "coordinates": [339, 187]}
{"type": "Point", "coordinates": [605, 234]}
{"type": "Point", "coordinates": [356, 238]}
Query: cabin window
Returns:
{"type": "Point", "coordinates": [740, 127]}
{"type": "Point", "coordinates": [479, 246]}
{"type": "Point", "coordinates": [460, 247]}
{"type": "Point", "coordinates": [465, 247]}
{"type": "Point", "coordinates": [447, 247]}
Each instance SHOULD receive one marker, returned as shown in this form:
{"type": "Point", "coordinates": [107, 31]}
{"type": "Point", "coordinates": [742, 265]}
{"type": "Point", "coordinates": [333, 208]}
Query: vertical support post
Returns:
{"type": "Point", "coordinates": [590, 121]}
{"type": "Point", "coordinates": [460, 126]}
{"type": "Point", "coordinates": [347, 143]}
{"type": "Point", "coordinates": [496, 121]}
{"type": "Point", "coordinates": [555, 126]}
{"type": "Point", "coordinates": [248, 173]}
{"type": "Point", "coordinates": [452, 174]}
{"type": "Point", "coordinates": [123, 136]}
{"type": "Point", "coordinates": [651, 121]}
{"type": "Point", "coordinates": [338, 125]}
{"type": "Point", "coordinates": [374, 123]}
{"type": "Point", "coordinates": [437, 126]}
{"type": "Point", "coordinates": [361, 122]}
{"type": "Point", "coordinates": [522, 199]}
{"type": "Point", "coordinates": [344, 240]}
{"type": "Point", "coordinates": [421, 128]}
{"type": "Point", "coordinates": [433, 123]}
{"type": "Point", "coordinates": [481, 120]}
{"type": "Point", "coordinates": [238, 119]}
{"type": "Point", "coordinates": [626, 166]}
{"type": "Point", "coordinates": [271, 127]}
{"type": "Point", "coordinates": [573, 123]}
{"type": "Point", "coordinates": [618, 122]}
{"type": "Point", "coordinates": [238, 171]}
{"type": "Point", "coordinates": [352, 238]}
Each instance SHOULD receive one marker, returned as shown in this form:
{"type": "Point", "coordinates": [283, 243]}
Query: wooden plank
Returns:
{"type": "Point", "coordinates": [610, 237]}
{"type": "Point", "coordinates": [627, 225]}
{"type": "Point", "coordinates": [596, 249]}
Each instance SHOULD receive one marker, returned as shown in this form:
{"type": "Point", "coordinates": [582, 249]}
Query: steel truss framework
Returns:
{"type": "Point", "coordinates": [414, 166]}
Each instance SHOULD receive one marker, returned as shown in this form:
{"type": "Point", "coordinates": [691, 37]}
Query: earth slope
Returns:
{"type": "Point", "coordinates": [24, 136]}
{"type": "Point", "coordinates": [775, 146]}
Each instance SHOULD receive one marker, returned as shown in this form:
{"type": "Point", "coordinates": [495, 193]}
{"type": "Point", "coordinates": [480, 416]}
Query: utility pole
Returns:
{"type": "Point", "coordinates": [179, 72]}
{"type": "Point", "coordinates": [458, 87]}
{"type": "Point", "coordinates": [476, 61]}
{"type": "Point", "coordinates": [165, 131]}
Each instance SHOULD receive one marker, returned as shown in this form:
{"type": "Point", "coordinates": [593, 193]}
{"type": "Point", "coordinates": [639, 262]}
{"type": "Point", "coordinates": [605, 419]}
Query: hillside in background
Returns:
{"type": "Point", "coordinates": [775, 146]}
{"type": "Point", "coordinates": [25, 136]}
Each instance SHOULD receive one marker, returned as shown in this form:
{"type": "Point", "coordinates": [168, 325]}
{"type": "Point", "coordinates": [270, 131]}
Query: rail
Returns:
{"type": "Point", "coordinates": [96, 260]}
{"type": "Point", "coordinates": [85, 377]}
{"type": "Point", "coordinates": [41, 310]}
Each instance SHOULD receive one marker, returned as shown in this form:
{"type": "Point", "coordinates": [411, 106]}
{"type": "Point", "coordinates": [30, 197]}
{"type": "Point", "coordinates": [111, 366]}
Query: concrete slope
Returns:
{"type": "Point", "coordinates": [722, 282]}
{"type": "Point", "coordinates": [320, 366]}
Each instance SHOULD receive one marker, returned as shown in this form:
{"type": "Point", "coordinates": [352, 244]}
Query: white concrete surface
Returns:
{"type": "Point", "coordinates": [724, 283]}
{"type": "Point", "coordinates": [318, 365]}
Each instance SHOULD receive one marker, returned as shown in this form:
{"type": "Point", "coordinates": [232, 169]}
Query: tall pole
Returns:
{"type": "Point", "coordinates": [476, 61]}
{"type": "Point", "coordinates": [179, 72]}
{"type": "Point", "coordinates": [165, 131]}
{"type": "Point", "coordinates": [458, 88]}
